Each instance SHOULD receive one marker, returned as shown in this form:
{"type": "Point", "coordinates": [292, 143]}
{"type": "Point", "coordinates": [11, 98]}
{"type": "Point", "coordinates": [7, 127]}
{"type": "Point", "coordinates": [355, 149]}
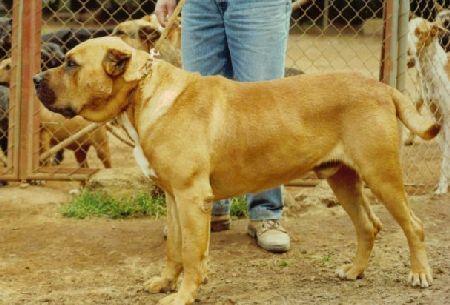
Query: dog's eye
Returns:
{"type": "Point", "coordinates": [71, 63]}
{"type": "Point", "coordinates": [120, 32]}
{"type": "Point", "coordinates": [7, 67]}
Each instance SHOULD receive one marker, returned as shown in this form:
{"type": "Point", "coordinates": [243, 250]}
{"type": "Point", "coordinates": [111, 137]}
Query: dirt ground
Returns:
{"type": "Point", "coordinates": [48, 259]}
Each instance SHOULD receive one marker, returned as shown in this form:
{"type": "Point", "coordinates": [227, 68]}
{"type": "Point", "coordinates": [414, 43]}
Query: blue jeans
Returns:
{"type": "Point", "coordinates": [245, 40]}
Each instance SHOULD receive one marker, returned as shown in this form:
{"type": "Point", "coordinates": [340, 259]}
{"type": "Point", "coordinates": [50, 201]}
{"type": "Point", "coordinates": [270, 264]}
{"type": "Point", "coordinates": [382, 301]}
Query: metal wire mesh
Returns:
{"type": "Point", "coordinates": [8, 105]}
{"type": "Point", "coordinates": [326, 35]}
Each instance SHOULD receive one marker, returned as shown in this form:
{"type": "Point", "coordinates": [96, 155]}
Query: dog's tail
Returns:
{"type": "Point", "coordinates": [424, 127]}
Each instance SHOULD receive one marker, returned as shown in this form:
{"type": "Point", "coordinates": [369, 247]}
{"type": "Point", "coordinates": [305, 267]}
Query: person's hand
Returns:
{"type": "Point", "coordinates": [164, 9]}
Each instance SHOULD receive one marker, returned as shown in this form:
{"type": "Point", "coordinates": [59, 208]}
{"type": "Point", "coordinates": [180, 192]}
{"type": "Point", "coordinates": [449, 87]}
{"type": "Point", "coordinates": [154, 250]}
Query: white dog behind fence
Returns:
{"type": "Point", "coordinates": [430, 61]}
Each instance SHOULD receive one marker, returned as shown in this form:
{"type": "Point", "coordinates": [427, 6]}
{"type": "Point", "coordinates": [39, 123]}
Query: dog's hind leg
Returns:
{"type": "Point", "coordinates": [174, 265]}
{"type": "Point", "coordinates": [194, 211]}
{"type": "Point", "coordinates": [348, 189]}
{"type": "Point", "coordinates": [384, 177]}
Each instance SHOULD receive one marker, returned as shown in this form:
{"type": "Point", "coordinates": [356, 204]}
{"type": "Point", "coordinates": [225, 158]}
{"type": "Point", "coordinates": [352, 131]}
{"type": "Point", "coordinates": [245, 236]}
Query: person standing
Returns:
{"type": "Point", "coordinates": [245, 40]}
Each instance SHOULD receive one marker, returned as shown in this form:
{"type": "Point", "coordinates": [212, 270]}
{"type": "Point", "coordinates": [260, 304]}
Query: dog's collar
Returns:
{"type": "Point", "coordinates": [147, 68]}
{"type": "Point", "coordinates": [154, 53]}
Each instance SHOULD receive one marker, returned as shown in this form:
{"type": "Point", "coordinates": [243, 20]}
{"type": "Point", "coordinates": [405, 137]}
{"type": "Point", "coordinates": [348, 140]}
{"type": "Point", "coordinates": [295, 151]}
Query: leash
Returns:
{"type": "Point", "coordinates": [169, 52]}
{"type": "Point", "coordinates": [171, 21]}
{"type": "Point", "coordinates": [127, 142]}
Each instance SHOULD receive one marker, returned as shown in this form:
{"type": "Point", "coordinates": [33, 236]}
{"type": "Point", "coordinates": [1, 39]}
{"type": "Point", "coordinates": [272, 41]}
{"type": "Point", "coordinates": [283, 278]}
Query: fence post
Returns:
{"type": "Point", "coordinates": [29, 54]}
{"type": "Point", "coordinates": [388, 73]}
{"type": "Point", "coordinates": [14, 96]}
{"type": "Point", "coordinates": [402, 44]}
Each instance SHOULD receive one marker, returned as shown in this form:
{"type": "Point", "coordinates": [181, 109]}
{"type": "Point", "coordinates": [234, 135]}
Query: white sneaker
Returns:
{"type": "Point", "coordinates": [270, 235]}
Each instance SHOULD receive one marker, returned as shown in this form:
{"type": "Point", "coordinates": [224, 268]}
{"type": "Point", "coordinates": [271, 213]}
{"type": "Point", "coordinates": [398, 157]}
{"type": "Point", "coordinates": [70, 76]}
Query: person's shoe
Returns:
{"type": "Point", "coordinates": [220, 223]}
{"type": "Point", "coordinates": [270, 235]}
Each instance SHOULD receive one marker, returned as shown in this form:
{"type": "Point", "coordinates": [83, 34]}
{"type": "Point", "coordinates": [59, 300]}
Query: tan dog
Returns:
{"type": "Point", "coordinates": [55, 129]}
{"type": "Point", "coordinates": [201, 139]}
{"type": "Point", "coordinates": [5, 70]}
{"type": "Point", "coordinates": [143, 33]}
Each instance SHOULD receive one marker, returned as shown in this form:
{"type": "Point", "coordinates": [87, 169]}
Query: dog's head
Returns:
{"type": "Point", "coordinates": [141, 34]}
{"type": "Point", "coordinates": [95, 80]}
{"type": "Point", "coordinates": [5, 71]}
{"type": "Point", "coordinates": [421, 34]}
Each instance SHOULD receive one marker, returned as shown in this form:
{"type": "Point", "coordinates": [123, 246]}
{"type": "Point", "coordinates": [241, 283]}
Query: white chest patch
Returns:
{"type": "Point", "coordinates": [139, 155]}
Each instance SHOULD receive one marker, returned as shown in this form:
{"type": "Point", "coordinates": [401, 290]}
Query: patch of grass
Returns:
{"type": "Point", "coordinates": [326, 258]}
{"type": "Point", "coordinates": [239, 207]}
{"type": "Point", "coordinates": [98, 204]}
{"type": "Point", "coordinates": [283, 264]}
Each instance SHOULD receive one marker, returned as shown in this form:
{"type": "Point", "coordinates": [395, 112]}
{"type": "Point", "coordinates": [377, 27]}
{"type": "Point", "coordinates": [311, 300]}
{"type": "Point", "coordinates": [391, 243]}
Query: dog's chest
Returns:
{"type": "Point", "coordinates": [138, 153]}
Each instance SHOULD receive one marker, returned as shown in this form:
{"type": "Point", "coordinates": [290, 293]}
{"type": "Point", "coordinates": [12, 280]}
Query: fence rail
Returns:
{"type": "Point", "coordinates": [326, 35]}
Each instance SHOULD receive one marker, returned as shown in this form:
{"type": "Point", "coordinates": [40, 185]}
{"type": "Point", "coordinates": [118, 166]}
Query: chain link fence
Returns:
{"type": "Point", "coordinates": [326, 35]}
{"type": "Point", "coordinates": [8, 94]}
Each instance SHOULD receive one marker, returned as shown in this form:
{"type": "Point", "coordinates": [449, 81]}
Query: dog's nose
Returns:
{"type": "Point", "coordinates": [37, 79]}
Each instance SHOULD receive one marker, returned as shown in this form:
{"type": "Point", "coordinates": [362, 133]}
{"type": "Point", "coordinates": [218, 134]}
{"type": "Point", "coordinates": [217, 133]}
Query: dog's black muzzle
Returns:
{"type": "Point", "coordinates": [48, 97]}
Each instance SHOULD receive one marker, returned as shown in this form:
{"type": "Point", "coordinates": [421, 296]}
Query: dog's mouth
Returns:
{"type": "Point", "coordinates": [45, 94]}
{"type": "Point", "coordinates": [48, 98]}
{"type": "Point", "coordinates": [68, 113]}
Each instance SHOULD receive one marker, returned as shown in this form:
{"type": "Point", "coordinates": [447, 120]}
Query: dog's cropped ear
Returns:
{"type": "Point", "coordinates": [412, 15]}
{"type": "Point", "coordinates": [115, 62]}
{"type": "Point", "coordinates": [137, 66]}
{"type": "Point", "coordinates": [148, 34]}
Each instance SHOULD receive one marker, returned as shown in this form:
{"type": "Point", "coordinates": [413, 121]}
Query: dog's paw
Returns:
{"type": "Point", "coordinates": [420, 279]}
{"type": "Point", "coordinates": [174, 299]}
{"type": "Point", "coordinates": [349, 272]}
{"type": "Point", "coordinates": [158, 284]}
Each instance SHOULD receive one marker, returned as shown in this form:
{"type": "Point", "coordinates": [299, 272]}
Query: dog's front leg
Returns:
{"type": "Point", "coordinates": [174, 265]}
{"type": "Point", "coordinates": [194, 208]}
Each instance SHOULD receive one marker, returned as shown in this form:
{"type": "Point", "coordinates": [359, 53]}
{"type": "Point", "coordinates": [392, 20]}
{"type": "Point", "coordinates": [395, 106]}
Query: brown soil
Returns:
{"type": "Point", "coordinates": [48, 259]}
